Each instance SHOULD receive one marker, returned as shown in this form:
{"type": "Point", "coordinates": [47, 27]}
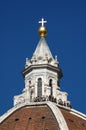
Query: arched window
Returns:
{"type": "Point", "coordinates": [29, 81]}
{"type": "Point", "coordinates": [50, 82]}
{"type": "Point", "coordinates": [39, 87]}
{"type": "Point", "coordinates": [50, 85]}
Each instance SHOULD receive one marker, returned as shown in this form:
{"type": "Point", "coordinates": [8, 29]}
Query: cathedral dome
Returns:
{"type": "Point", "coordinates": [42, 116]}
{"type": "Point", "coordinates": [42, 105]}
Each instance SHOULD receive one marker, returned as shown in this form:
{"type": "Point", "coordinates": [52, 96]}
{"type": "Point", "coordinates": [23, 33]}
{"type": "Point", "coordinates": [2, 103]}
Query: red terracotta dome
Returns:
{"type": "Point", "coordinates": [42, 116]}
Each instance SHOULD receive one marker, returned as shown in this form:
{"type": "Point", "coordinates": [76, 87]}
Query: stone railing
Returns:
{"type": "Point", "coordinates": [48, 98]}
{"type": "Point", "coordinates": [64, 103]}
{"type": "Point", "coordinates": [52, 99]}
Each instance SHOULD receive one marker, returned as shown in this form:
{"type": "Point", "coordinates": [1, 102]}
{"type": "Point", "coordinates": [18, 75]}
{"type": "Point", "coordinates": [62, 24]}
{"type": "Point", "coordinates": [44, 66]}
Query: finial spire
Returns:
{"type": "Point", "coordinates": [42, 30]}
{"type": "Point", "coordinates": [42, 22]}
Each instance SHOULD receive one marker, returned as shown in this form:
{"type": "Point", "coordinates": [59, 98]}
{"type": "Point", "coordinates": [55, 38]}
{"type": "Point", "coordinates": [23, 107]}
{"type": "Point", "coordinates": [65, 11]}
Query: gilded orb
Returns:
{"type": "Point", "coordinates": [42, 31]}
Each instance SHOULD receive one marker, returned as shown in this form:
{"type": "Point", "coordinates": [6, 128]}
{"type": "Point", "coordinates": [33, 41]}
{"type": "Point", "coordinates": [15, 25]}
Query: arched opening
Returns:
{"type": "Point", "coordinates": [58, 84]}
{"type": "Point", "coordinates": [39, 87]}
{"type": "Point", "coordinates": [50, 85]}
{"type": "Point", "coordinates": [29, 82]}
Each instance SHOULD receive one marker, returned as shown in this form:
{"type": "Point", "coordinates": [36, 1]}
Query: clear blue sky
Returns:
{"type": "Point", "coordinates": [66, 38]}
